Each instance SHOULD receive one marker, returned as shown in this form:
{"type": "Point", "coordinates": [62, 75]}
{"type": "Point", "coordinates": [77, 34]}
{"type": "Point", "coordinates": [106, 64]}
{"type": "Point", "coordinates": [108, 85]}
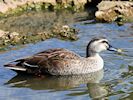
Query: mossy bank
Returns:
{"type": "Point", "coordinates": [34, 26]}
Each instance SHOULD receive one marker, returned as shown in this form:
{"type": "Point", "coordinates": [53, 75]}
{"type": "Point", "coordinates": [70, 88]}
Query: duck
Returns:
{"type": "Point", "coordinates": [61, 61]}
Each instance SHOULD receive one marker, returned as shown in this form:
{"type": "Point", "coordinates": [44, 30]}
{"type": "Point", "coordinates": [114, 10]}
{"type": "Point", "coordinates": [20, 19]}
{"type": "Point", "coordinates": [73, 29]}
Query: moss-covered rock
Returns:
{"type": "Point", "coordinates": [64, 32]}
{"type": "Point", "coordinates": [15, 6]}
{"type": "Point", "coordinates": [13, 38]}
{"type": "Point", "coordinates": [33, 26]}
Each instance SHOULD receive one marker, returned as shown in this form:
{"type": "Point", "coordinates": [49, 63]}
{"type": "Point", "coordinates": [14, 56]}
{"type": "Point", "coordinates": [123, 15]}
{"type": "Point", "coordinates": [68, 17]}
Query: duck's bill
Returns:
{"type": "Point", "coordinates": [114, 49]}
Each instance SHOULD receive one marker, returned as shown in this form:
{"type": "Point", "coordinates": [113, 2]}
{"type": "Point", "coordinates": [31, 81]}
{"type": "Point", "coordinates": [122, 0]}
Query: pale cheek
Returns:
{"type": "Point", "coordinates": [100, 48]}
{"type": "Point", "coordinates": [104, 48]}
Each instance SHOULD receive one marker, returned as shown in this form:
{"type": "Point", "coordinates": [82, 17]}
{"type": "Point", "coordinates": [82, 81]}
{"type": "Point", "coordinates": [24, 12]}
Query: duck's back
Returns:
{"type": "Point", "coordinates": [51, 61]}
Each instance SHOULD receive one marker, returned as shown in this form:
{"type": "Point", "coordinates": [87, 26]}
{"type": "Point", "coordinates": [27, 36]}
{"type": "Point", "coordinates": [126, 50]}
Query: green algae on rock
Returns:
{"type": "Point", "coordinates": [34, 26]}
{"type": "Point", "coordinates": [15, 6]}
{"type": "Point", "coordinates": [13, 38]}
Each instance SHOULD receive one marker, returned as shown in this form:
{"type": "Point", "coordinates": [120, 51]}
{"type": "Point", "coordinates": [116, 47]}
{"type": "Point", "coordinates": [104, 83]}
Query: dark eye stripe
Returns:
{"type": "Point", "coordinates": [105, 42]}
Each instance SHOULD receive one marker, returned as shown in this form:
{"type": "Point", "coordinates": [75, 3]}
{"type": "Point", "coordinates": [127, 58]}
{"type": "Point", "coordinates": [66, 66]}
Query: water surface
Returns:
{"type": "Point", "coordinates": [114, 82]}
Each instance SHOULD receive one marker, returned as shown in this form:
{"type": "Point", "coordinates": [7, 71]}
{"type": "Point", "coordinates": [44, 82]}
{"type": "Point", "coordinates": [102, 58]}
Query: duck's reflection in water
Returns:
{"type": "Point", "coordinates": [57, 83]}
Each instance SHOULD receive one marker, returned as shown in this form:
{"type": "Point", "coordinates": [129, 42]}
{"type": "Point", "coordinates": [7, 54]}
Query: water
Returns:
{"type": "Point", "coordinates": [114, 82]}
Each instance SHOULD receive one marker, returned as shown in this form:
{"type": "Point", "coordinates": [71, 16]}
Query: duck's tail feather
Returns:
{"type": "Point", "coordinates": [14, 67]}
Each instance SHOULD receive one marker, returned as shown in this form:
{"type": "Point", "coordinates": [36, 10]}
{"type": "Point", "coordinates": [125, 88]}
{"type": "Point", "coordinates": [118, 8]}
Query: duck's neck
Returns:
{"type": "Point", "coordinates": [91, 53]}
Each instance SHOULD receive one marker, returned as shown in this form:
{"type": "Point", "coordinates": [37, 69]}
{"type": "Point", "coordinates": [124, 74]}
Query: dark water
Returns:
{"type": "Point", "coordinates": [113, 83]}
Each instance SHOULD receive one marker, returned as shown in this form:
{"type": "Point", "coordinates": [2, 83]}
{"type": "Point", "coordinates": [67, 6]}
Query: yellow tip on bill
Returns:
{"type": "Point", "coordinates": [119, 50]}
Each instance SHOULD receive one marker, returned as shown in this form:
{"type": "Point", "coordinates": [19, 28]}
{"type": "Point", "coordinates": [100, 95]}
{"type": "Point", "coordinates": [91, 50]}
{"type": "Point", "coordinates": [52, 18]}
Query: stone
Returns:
{"type": "Point", "coordinates": [111, 10]}
{"type": "Point", "coordinates": [13, 34]}
{"type": "Point", "coordinates": [3, 7]}
{"type": "Point", "coordinates": [13, 4]}
{"type": "Point", "coordinates": [2, 33]}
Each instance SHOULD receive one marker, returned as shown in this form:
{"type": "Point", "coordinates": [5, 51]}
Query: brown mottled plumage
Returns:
{"type": "Point", "coordinates": [45, 60]}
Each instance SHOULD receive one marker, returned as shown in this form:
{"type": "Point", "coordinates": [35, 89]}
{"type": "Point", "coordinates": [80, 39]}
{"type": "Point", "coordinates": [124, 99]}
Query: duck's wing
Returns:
{"type": "Point", "coordinates": [45, 59]}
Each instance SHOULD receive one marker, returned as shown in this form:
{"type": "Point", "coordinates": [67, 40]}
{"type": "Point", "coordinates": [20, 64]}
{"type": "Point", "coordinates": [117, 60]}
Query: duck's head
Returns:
{"type": "Point", "coordinates": [97, 45]}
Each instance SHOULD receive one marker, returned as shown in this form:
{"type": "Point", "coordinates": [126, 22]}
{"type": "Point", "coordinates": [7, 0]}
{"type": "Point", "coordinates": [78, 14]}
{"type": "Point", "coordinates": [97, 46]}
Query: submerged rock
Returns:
{"type": "Point", "coordinates": [114, 10]}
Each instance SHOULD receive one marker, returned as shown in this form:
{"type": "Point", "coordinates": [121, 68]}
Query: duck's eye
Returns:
{"type": "Point", "coordinates": [105, 42]}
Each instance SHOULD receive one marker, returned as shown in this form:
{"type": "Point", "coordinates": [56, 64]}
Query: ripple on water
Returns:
{"type": "Point", "coordinates": [117, 81]}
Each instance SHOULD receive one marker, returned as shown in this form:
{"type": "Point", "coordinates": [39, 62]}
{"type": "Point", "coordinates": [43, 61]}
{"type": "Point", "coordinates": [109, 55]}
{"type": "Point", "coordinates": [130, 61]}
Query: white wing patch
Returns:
{"type": "Point", "coordinates": [16, 68]}
{"type": "Point", "coordinates": [26, 64]}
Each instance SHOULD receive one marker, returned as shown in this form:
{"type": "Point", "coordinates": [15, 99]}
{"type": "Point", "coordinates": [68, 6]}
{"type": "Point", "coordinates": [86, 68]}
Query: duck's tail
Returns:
{"type": "Point", "coordinates": [14, 67]}
{"type": "Point", "coordinates": [21, 69]}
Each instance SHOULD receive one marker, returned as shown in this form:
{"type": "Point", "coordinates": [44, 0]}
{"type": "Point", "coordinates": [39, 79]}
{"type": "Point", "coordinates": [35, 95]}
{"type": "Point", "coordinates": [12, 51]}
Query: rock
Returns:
{"type": "Point", "coordinates": [9, 37]}
{"type": "Point", "coordinates": [53, 2]}
{"type": "Point", "coordinates": [65, 28]}
{"type": "Point", "coordinates": [111, 10]}
{"type": "Point", "coordinates": [64, 32]}
{"type": "Point", "coordinates": [3, 8]}
{"type": "Point", "coordinates": [10, 4]}
{"type": "Point", "coordinates": [13, 35]}
{"type": "Point", "coordinates": [7, 5]}
{"type": "Point", "coordinates": [2, 33]}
